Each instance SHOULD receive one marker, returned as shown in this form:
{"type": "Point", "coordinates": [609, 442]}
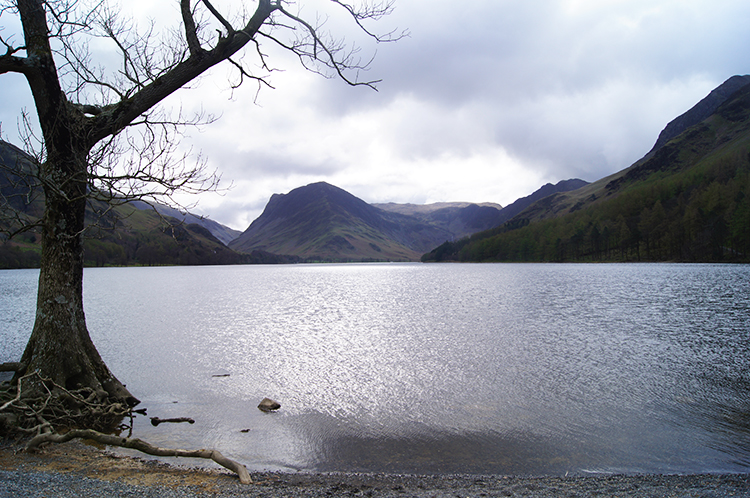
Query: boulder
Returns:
{"type": "Point", "coordinates": [268, 405]}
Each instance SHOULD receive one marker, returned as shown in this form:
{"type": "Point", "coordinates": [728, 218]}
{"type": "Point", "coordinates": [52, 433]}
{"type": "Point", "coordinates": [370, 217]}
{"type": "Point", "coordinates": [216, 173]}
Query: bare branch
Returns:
{"type": "Point", "coordinates": [374, 12]}
{"type": "Point", "coordinates": [330, 53]}
{"type": "Point", "coordinates": [191, 31]}
{"type": "Point", "coordinates": [144, 447]}
{"type": "Point", "coordinates": [10, 63]}
{"type": "Point", "coordinates": [244, 74]}
{"type": "Point", "coordinates": [217, 15]}
{"type": "Point", "coordinates": [172, 76]}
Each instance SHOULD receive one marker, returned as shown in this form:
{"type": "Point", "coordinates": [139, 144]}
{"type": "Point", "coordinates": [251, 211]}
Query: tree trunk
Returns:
{"type": "Point", "coordinates": [60, 346]}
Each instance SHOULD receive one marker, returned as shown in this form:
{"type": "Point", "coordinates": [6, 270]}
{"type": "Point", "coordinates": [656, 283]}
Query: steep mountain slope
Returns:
{"type": "Point", "coordinates": [221, 232]}
{"type": "Point", "coordinates": [323, 222]}
{"type": "Point", "coordinates": [687, 200]}
{"type": "Point", "coordinates": [566, 202]}
{"type": "Point", "coordinates": [19, 190]}
{"type": "Point", "coordinates": [700, 111]}
{"type": "Point", "coordinates": [547, 190]}
{"type": "Point", "coordinates": [133, 236]}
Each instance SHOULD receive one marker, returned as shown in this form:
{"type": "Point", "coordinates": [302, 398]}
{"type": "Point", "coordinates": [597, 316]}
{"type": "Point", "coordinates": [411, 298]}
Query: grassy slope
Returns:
{"type": "Point", "coordinates": [139, 237]}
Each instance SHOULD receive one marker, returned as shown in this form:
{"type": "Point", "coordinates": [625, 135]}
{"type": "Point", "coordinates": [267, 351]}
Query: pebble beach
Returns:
{"type": "Point", "coordinates": [76, 470]}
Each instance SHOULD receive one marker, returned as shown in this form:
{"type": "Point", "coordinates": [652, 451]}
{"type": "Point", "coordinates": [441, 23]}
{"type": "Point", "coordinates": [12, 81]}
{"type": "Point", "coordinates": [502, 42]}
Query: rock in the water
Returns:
{"type": "Point", "coordinates": [268, 405]}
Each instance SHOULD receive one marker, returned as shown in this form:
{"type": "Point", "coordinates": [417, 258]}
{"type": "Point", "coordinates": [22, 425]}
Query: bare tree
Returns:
{"type": "Point", "coordinates": [104, 135]}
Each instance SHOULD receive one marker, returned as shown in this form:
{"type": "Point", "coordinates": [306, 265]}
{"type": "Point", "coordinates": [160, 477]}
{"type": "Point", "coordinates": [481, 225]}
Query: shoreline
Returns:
{"type": "Point", "coordinates": [76, 470]}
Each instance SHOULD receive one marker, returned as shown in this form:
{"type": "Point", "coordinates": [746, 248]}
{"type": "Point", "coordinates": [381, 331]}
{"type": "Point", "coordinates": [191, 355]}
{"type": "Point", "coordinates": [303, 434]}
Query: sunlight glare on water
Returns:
{"type": "Point", "coordinates": [523, 369]}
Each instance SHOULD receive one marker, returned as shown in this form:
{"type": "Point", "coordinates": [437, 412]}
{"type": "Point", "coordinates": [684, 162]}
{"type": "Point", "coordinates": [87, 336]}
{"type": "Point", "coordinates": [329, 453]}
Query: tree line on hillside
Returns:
{"type": "Point", "coordinates": [699, 215]}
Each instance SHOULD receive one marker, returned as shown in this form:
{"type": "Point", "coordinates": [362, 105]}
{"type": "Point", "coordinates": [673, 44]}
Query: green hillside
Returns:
{"type": "Point", "coordinates": [687, 201]}
{"type": "Point", "coordinates": [133, 237]}
{"type": "Point", "coordinates": [124, 235]}
{"type": "Point", "coordinates": [141, 238]}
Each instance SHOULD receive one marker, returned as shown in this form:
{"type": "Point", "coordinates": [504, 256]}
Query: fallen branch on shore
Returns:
{"type": "Point", "coordinates": [39, 416]}
{"type": "Point", "coordinates": [142, 446]}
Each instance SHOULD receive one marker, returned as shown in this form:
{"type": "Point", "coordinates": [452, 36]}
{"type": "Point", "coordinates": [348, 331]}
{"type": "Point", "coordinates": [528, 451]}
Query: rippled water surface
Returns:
{"type": "Point", "coordinates": [415, 368]}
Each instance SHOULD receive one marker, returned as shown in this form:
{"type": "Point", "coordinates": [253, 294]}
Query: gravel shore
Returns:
{"type": "Point", "coordinates": [76, 470]}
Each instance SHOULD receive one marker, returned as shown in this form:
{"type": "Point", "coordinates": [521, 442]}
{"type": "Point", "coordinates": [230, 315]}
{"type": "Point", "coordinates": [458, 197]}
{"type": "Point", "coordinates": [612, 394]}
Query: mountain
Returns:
{"type": "Point", "coordinates": [516, 207]}
{"type": "Point", "coordinates": [686, 200]}
{"type": "Point", "coordinates": [323, 222]}
{"type": "Point", "coordinates": [457, 218]}
{"type": "Point", "coordinates": [420, 210]}
{"type": "Point", "coordinates": [133, 236]}
{"type": "Point", "coordinates": [122, 235]}
{"type": "Point", "coordinates": [320, 222]}
{"type": "Point", "coordinates": [221, 232]}
{"type": "Point", "coordinates": [700, 111]}
{"type": "Point", "coordinates": [462, 219]}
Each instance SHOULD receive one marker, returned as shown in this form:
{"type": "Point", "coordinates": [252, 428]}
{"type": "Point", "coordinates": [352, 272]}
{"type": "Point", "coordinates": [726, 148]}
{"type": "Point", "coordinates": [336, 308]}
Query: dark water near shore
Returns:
{"type": "Point", "coordinates": [412, 368]}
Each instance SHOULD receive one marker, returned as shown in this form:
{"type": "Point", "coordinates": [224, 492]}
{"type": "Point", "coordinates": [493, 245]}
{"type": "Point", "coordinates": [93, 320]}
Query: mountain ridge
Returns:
{"type": "Point", "coordinates": [700, 111]}
{"type": "Point", "coordinates": [687, 200]}
{"type": "Point", "coordinates": [141, 233]}
{"type": "Point", "coordinates": [321, 222]}
{"type": "Point", "coordinates": [222, 232]}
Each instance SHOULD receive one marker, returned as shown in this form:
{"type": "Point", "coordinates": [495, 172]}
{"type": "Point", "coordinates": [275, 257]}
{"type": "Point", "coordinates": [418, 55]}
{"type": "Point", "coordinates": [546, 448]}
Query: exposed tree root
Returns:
{"type": "Point", "coordinates": [61, 415]}
{"type": "Point", "coordinates": [29, 415]}
{"type": "Point", "coordinates": [142, 446]}
{"type": "Point", "coordinates": [12, 366]}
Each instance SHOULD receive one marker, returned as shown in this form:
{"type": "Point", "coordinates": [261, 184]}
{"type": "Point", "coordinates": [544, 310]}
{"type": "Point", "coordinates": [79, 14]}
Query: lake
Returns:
{"type": "Point", "coordinates": [525, 369]}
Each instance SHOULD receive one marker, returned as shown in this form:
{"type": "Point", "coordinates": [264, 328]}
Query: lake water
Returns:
{"type": "Point", "coordinates": [423, 368]}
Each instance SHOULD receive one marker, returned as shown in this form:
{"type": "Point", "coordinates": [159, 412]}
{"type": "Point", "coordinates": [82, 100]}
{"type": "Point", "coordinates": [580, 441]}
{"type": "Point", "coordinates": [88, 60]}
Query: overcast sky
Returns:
{"type": "Point", "coordinates": [484, 101]}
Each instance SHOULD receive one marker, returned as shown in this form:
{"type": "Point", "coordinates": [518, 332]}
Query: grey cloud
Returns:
{"type": "Point", "coordinates": [566, 87]}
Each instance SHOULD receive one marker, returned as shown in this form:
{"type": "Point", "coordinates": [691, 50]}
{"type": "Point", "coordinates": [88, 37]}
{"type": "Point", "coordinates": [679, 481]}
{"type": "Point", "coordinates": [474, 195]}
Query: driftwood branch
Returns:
{"type": "Point", "coordinates": [156, 420]}
{"type": "Point", "coordinates": [84, 407]}
{"type": "Point", "coordinates": [142, 446]}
